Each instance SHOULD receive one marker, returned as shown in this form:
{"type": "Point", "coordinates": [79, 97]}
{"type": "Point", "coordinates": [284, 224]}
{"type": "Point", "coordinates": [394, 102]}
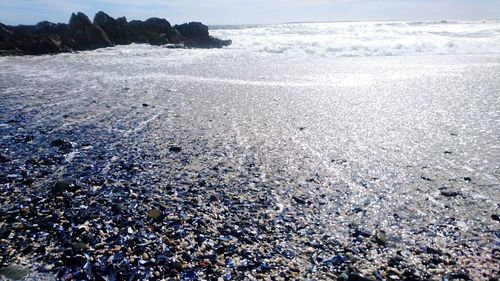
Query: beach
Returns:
{"type": "Point", "coordinates": [150, 163]}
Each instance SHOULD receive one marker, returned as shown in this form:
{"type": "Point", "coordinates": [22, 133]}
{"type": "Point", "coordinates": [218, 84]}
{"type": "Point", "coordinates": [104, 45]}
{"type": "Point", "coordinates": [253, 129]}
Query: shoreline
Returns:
{"type": "Point", "coordinates": [218, 179]}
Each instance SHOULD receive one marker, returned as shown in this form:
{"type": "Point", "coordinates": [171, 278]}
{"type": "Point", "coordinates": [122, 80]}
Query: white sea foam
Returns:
{"type": "Point", "coordinates": [367, 38]}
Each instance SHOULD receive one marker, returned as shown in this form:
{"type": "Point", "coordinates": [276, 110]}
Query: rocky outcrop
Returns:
{"type": "Point", "coordinates": [196, 35]}
{"type": "Point", "coordinates": [87, 36]}
{"type": "Point", "coordinates": [43, 38]}
{"type": "Point", "coordinates": [153, 31]}
{"type": "Point", "coordinates": [105, 31]}
{"type": "Point", "coordinates": [116, 29]}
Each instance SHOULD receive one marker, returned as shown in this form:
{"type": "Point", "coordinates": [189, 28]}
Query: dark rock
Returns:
{"type": "Point", "coordinates": [61, 144]}
{"type": "Point", "coordinates": [299, 200]}
{"type": "Point", "coordinates": [196, 35]}
{"type": "Point", "coordinates": [460, 276]}
{"type": "Point", "coordinates": [335, 261]}
{"type": "Point", "coordinates": [356, 210]}
{"type": "Point", "coordinates": [62, 186]}
{"type": "Point", "coordinates": [395, 261]}
{"type": "Point", "coordinates": [105, 31]}
{"type": "Point", "coordinates": [153, 31]}
{"type": "Point", "coordinates": [117, 208]}
{"type": "Point", "coordinates": [449, 193]}
{"type": "Point", "coordinates": [3, 159]}
{"type": "Point", "coordinates": [58, 142]}
{"type": "Point", "coordinates": [145, 105]}
{"type": "Point", "coordinates": [42, 38]}
{"type": "Point", "coordinates": [175, 149]}
{"type": "Point", "coordinates": [116, 30]}
{"type": "Point", "coordinates": [28, 139]}
{"type": "Point", "coordinates": [433, 251]}
{"type": "Point", "coordinates": [87, 36]}
{"type": "Point", "coordinates": [448, 152]}
{"type": "Point", "coordinates": [289, 254]}
{"type": "Point", "coordinates": [193, 30]}
{"type": "Point", "coordinates": [467, 179]}
{"type": "Point", "coordinates": [495, 217]}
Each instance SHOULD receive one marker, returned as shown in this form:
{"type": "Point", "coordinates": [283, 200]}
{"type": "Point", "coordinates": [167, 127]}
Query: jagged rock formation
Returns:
{"type": "Point", "coordinates": [105, 31]}
{"type": "Point", "coordinates": [196, 34]}
{"type": "Point", "coordinates": [116, 29]}
{"type": "Point", "coordinates": [87, 35]}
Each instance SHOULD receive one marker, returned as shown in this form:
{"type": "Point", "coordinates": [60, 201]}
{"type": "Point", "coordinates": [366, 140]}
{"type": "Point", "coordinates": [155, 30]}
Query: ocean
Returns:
{"type": "Point", "coordinates": [303, 150]}
{"type": "Point", "coordinates": [362, 39]}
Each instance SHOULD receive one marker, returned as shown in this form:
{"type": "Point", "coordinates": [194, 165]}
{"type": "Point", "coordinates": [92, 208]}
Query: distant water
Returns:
{"type": "Point", "coordinates": [367, 38]}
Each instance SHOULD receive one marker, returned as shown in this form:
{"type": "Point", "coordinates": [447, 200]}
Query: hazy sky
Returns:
{"type": "Point", "coordinates": [250, 11]}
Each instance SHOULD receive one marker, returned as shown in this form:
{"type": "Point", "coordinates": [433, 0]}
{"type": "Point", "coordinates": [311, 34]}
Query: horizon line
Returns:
{"type": "Point", "coordinates": [286, 22]}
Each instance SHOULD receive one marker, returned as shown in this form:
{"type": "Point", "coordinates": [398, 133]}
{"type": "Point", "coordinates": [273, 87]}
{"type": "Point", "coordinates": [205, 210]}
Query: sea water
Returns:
{"type": "Point", "coordinates": [367, 38]}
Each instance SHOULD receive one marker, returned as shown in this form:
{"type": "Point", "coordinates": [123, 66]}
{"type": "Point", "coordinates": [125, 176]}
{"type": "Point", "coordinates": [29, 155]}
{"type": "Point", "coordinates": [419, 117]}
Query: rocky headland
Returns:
{"type": "Point", "coordinates": [81, 34]}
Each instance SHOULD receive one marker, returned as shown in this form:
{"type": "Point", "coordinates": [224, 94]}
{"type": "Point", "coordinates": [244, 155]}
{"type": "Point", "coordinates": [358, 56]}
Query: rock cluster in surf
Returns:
{"type": "Point", "coordinates": [82, 34]}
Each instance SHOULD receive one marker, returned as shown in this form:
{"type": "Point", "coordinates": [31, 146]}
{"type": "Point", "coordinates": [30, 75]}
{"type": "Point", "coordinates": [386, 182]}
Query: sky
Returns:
{"type": "Point", "coordinates": [250, 11]}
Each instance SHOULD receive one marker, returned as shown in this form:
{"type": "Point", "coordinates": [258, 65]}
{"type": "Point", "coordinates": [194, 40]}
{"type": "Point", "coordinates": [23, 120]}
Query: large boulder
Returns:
{"type": "Point", "coordinates": [194, 30]}
{"type": "Point", "coordinates": [87, 36]}
{"type": "Point", "coordinates": [154, 31]}
{"type": "Point", "coordinates": [116, 30]}
{"type": "Point", "coordinates": [196, 35]}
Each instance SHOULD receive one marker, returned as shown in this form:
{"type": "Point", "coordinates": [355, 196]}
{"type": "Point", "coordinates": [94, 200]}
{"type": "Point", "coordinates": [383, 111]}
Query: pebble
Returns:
{"type": "Point", "coordinates": [175, 149]}
{"type": "Point", "coordinates": [62, 144]}
{"type": "Point", "coordinates": [124, 208]}
{"type": "Point", "coordinates": [62, 186]}
{"type": "Point", "coordinates": [15, 272]}
{"type": "Point", "coordinates": [299, 200]}
{"type": "Point", "coordinates": [3, 159]}
{"type": "Point", "coordinates": [357, 277]}
{"type": "Point", "coordinates": [154, 213]}
{"type": "Point", "coordinates": [381, 238]}
{"type": "Point", "coordinates": [448, 193]}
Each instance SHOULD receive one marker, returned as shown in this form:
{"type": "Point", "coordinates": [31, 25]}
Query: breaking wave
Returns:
{"type": "Point", "coordinates": [367, 38]}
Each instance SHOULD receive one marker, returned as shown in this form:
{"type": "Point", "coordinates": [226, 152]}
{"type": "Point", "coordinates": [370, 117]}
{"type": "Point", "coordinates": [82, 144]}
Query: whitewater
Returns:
{"type": "Point", "coordinates": [311, 151]}
{"type": "Point", "coordinates": [367, 38]}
